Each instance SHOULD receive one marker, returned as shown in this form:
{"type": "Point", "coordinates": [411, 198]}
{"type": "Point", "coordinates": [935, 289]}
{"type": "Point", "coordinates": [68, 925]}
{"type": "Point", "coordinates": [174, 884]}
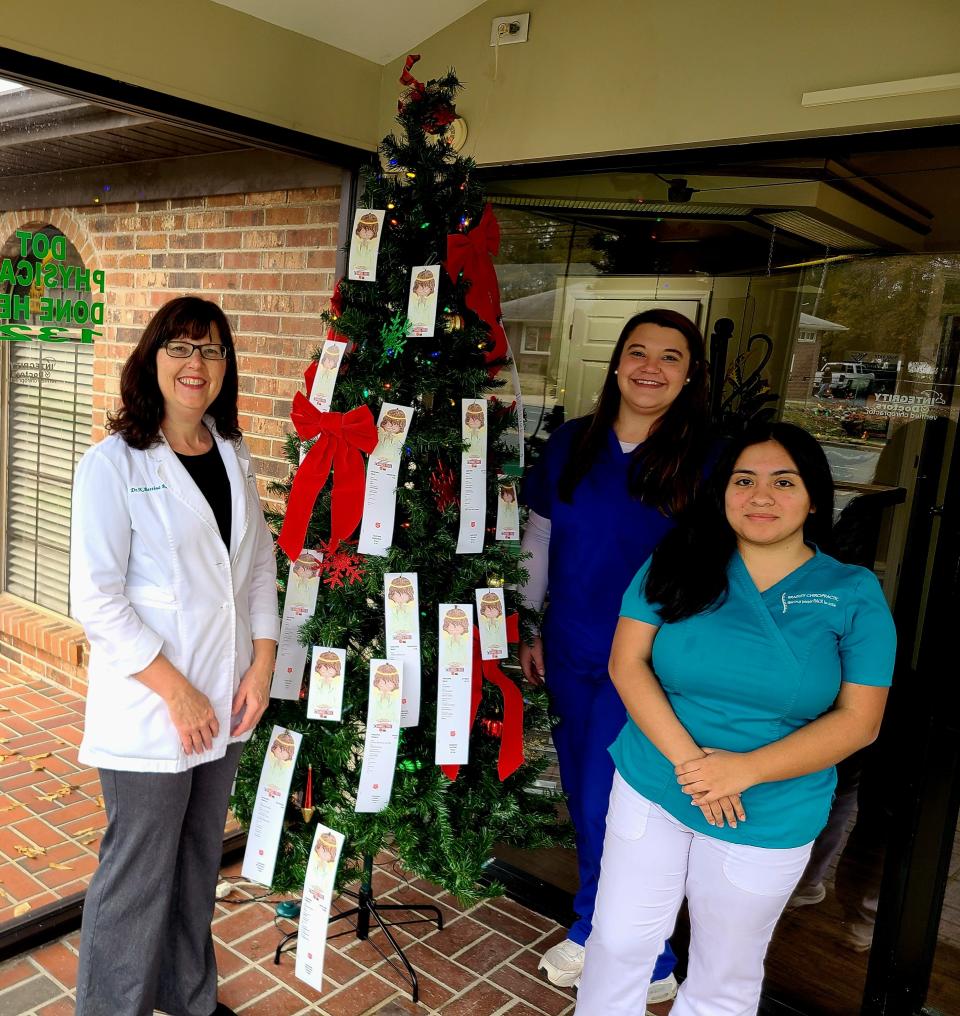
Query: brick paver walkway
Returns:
{"type": "Point", "coordinates": [51, 815]}
{"type": "Point", "coordinates": [484, 962]}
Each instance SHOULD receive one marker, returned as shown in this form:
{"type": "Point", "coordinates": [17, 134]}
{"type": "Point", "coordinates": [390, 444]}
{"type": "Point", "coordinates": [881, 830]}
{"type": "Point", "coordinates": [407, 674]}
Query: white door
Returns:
{"type": "Point", "coordinates": [596, 328]}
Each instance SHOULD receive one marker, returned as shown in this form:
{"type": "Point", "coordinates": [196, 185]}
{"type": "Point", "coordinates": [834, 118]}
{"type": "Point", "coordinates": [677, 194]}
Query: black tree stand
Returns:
{"type": "Point", "coordinates": [368, 907]}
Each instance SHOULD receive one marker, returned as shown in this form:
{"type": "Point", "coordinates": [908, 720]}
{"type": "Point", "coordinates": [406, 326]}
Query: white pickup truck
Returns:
{"type": "Point", "coordinates": [844, 380]}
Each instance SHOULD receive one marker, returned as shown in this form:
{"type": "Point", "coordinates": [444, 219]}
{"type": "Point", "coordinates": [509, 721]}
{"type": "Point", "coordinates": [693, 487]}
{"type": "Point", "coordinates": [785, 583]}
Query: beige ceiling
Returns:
{"type": "Point", "coordinates": [377, 30]}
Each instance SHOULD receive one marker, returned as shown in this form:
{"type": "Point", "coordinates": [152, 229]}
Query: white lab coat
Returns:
{"type": "Point", "coordinates": [149, 573]}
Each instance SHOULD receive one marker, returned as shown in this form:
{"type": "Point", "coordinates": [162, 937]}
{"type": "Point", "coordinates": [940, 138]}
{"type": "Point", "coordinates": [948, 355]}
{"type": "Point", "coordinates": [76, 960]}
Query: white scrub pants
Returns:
{"type": "Point", "coordinates": [735, 896]}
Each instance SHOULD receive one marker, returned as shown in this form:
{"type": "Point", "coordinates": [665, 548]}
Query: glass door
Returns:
{"type": "Point", "coordinates": [880, 391]}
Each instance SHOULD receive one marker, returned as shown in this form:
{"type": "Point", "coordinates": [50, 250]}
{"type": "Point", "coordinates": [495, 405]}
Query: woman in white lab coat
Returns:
{"type": "Point", "coordinates": [173, 577]}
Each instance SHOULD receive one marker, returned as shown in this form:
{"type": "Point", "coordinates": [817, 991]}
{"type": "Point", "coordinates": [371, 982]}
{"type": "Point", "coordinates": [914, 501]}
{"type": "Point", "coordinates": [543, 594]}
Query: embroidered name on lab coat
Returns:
{"type": "Point", "coordinates": [802, 599]}
{"type": "Point", "coordinates": [147, 490]}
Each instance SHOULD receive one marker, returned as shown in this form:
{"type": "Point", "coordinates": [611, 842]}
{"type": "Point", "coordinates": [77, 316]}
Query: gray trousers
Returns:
{"type": "Point", "coordinates": [145, 942]}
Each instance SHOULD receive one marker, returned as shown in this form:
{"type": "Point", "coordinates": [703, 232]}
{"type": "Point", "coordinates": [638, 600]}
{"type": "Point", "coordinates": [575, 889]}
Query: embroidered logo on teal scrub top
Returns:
{"type": "Point", "coordinates": [802, 599]}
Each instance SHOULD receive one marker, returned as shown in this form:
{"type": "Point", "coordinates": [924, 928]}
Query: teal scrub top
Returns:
{"type": "Point", "coordinates": [750, 672]}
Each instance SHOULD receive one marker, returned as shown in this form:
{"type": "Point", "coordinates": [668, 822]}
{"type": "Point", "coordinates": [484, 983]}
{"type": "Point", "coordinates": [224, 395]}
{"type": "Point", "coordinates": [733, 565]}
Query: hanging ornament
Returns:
{"type": "Point", "coordinates": [307, 809]}
{"type": "Point", "coordinates": [453, 322]}
{"type": "Point", "coordinates": [492, 728]}
{"type": "Point", "coordinates": [393, 335]}
{"type": "Point", "coordinates": [443, 483]}
{"type": "Point", "coordinates": [341, 565]}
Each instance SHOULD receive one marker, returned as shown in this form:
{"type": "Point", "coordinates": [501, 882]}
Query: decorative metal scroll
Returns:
{"type": "Point", "coordinates": [746, 397]}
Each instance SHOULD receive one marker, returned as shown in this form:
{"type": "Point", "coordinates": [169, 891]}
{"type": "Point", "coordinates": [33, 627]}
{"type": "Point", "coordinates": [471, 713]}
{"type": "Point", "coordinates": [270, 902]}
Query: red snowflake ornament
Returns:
{"type": "Point", "coordinates": [341, 565]}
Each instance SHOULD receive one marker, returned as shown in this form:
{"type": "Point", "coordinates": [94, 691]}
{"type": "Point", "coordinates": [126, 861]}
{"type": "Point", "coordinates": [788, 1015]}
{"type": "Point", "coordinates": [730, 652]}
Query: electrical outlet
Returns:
{"type": "Point", "coordinates": [513, 28]}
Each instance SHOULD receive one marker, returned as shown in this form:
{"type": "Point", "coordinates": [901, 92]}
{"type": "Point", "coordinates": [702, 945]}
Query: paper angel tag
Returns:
{"type": "Point", "coordinates": [473, 476]}
{"type": "Point", "coordinates": [455, 674]}
{"type": "Point", "coordinates": [365, 244]}
{"type": "Point", "coordinates": [325, 379]}
{"type": "Point", "coordinates": [508, 510]}
{"type": "Point", "coordinates": [401, 610]}
{"type": "Point", "coordinates": [270, 806]}
{"type": "Point", "coordinates": [492, 623]}
{"type": "Point", "coordinates": [382, 736]}
{"type": "Point", "coordinates": [315, 905]}
{"type": "Point", "coordinates": [380, 496]}
{"type": "Point", "coordinates": [303, 587]}
{"type": "Point", "coordinates": [327, 670]}
{"type": "Point", "coordinates": [422, 303]}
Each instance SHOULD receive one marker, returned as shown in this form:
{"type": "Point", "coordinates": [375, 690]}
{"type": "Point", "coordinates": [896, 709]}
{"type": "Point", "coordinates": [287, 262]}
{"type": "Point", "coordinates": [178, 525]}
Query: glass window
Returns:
{"type": "Point", "coordinates": [161, 210]}
{"type": "Point", "coordinates": [49, 416]}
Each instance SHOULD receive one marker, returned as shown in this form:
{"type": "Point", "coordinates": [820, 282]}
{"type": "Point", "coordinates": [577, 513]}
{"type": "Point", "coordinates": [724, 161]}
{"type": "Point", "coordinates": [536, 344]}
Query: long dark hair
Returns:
{"type": "Point", "coordinates": [138, 419]}
{"type": "Point", "coordinates": [665, 470]}
{"type": "Point", "coordinates": [688, 570]}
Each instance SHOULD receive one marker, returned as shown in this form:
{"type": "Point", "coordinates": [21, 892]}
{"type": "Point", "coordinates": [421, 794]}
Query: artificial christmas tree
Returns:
{"type": "Point", "coordinates": [442, 828]}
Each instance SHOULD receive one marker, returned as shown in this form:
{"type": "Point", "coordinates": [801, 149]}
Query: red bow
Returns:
{"type": "Point", "coordinates": [340, 439]}
{"type": "Point", "coordinates": [470, 253]}
{"type": "Point", "coordinates": [511, 739]}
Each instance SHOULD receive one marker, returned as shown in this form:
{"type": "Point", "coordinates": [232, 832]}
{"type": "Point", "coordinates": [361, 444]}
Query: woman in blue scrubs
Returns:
{"type": "Point", "coordinates": [605, 492]}
{"type": "Point", "coordinates": [750, 663]}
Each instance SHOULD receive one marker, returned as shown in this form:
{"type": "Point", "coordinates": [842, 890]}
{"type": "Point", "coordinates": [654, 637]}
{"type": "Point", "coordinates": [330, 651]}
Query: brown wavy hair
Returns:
{"type": "Point", "coordinates": [138, 419]}
{"type": "Point", "coordinates": [665, 469]}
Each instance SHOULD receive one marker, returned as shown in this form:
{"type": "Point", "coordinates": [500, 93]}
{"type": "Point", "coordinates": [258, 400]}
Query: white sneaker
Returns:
{"type": "Point", "coordinates": [858, 935]}
{"type": "Point", "coordinates": [662, 991]}
{"type": "Point", "coordinates": [804, 895]}
{"type": "Point", "coordinates": [563, 963]}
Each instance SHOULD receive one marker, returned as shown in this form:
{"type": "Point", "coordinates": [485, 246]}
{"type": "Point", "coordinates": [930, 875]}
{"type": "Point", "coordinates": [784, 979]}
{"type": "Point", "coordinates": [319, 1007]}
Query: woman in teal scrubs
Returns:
{"type": "Point", "coordinates": [750, 663]}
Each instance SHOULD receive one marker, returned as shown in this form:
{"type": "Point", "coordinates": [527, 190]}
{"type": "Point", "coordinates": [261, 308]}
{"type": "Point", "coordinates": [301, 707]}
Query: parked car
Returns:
{"type": "Point", "coordinates": [849, 380]}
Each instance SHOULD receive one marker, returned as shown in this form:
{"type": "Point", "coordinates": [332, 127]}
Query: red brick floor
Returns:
{"type": "Point", "coordinates": [482, 963]}
{"type": "Point", "coordinates": [51, 815]}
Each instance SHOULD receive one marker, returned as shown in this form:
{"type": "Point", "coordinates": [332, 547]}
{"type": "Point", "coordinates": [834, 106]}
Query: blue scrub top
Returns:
{"type": "Point", "coordinates": [753, 670]}
{"type": "Point", "coordinates": [597, 543]}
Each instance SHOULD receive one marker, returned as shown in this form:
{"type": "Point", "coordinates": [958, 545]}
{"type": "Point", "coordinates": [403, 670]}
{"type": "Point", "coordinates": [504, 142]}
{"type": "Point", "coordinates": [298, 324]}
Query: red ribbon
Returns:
{"type": "Point", "coordinates": [511, 739]}
{"type": "Point", "coordinates": [336, 301]}
{"type": "Point", "coordinates": [340, 439]}
{"type": "Point", "coordinates": [470, 253]}
{"type": "Point", "coordinates": [417, 88]}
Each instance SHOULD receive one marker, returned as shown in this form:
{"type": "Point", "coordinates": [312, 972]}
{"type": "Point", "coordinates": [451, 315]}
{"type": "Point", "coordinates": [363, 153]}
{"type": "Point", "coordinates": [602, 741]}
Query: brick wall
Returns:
{"type": "Point", "coordinates": [267, 258]}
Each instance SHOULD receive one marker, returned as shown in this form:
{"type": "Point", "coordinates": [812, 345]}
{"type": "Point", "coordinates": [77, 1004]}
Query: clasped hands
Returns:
{"type": "Point", "coordinates": [195, 719]}
{"type": "Point", "coordinates": [715, 782]}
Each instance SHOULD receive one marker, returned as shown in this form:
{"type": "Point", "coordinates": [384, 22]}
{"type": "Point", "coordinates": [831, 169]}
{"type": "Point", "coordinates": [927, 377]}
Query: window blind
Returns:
{"type": "Point", "coordinates": [50, 416]}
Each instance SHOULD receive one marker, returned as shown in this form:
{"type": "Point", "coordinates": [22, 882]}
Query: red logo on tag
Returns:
{"type": "Point", "coordinates": [260, 852]}
{"type": "Point", "coordinates": [453, 733]}
{"type": "Point", "coordinates": [289, 670]}
{"type": "Point", "coordinates": [376, 786]}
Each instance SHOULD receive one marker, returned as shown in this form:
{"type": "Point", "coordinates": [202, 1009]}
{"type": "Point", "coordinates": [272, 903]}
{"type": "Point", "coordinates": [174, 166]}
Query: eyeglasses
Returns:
{"type": "Point", "coordinates": [183, 350]}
